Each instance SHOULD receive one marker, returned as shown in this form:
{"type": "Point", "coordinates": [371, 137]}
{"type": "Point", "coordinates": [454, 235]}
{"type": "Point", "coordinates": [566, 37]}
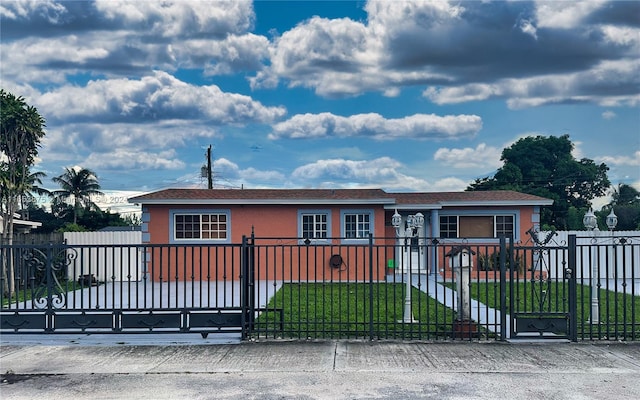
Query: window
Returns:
{"type": "Point", "coordinates": [476, 226]}
{"type": "Point", "coordinates": [314, 226]}
{"type": "Point", "coordinates": [504, 225]}
{"type": "Point", "coordinates": [449, 226]}
{"type": "Point", "coordinates": [357, 226]}
{"type": "Point", "coordinates": [212, 226]}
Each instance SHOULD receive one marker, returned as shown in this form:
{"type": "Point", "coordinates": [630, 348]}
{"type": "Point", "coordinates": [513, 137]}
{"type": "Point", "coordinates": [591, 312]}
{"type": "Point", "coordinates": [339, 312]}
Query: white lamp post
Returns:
{"type": "Point", "coordinates": [612, 221]}
{"type": "Point", "coordinates": [591, 223]}
{"type": "Point", "coordinates": [411, 230]}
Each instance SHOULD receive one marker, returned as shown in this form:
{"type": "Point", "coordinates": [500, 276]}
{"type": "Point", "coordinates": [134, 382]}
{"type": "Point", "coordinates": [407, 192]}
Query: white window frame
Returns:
{"type": "Point", "coordinates": [173, 214]}
{"type": "Point", "coordinates": [515, 223]}
{"type": "Point", "coordinates": [315, 214]}
{"type": "Point", "coordinates": [360, 233]}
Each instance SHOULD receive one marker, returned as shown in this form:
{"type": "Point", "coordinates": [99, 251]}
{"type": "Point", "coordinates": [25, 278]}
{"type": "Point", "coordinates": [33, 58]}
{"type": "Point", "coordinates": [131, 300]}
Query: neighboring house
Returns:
{"type": "Point", "coordinates": [333, 217]}
{"type": "Point", "coordinates": [20, 226]}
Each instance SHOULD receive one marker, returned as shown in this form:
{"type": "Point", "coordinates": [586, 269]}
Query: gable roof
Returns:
{"type": "Point", "coordinates": [429, 200]}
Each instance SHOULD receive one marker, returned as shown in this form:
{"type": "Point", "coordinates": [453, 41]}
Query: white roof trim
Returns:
{"type": "Point", "coordinates": [32, 224]}
{"type": "Point", "coordinates": [18, 221]}
{"type": "Point", "coordinates": [495, 203]}
{"type": "Point", "coordinates": [264, 201]}
{"type": "Point", "coordinates": [414, 207]}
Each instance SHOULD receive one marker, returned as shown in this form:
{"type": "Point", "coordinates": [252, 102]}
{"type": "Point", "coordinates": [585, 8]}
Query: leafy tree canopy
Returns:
{"type": "Point", "coordinates": [61, 219]}
{"type": "Point", "coordinates": [21, 129]}
{"type": "Point", "coordinates": [625, 202]}
{"type": "Point", "coordinates": [544, 166]}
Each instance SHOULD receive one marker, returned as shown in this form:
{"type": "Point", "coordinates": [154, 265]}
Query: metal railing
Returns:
{"type": "Point", "coordinates": [335, 288]}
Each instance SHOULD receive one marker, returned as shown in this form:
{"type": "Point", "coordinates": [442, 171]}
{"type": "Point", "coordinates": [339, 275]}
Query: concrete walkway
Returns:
{"type": "Point", "coordinates": [486, 316]}
{"type": "Point", "coordinates": [321, 370]}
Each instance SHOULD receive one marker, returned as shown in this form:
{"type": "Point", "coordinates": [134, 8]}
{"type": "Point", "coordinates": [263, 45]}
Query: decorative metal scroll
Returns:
{"type": "Point", "coordinates": [47, 267]}
{"type": "Point", "coordinates": [540, 270]}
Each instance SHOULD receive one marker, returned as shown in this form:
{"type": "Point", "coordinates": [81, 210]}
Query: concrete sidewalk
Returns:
{"type": "Point", "coordinates": [321, 370]}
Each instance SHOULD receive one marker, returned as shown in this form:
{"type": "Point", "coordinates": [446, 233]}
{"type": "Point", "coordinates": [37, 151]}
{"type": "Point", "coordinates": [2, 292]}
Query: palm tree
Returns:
{"type": "Point", "coordinates": [624, 195]}
{"type": "Point", "coordinates": [80, 183]}
{"type": "Point", "coordinates": [32, 185]}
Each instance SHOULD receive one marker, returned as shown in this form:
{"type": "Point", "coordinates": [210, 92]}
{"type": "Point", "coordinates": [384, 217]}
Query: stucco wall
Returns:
{"type": "Point", "coordinates": [281, 258]}
{"type": "Point", "coordinates": [208, 260]}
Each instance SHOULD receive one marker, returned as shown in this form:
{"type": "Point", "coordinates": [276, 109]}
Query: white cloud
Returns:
{"type": "Point", "coordinates": [52, 41]}
{"type": "Point", "coordinates": [228, 172]}
{"type": "Point", "coordinates": [83, 138]}
{"type": "Point", "coordinates": [48, 9]}
{"type": "Point", "coordinates": [181, 18]}
{"type": "Point", "coordinates": [154, 97]}
{"type": "Point", "coordinates": [564, 14]}
{"type": "Point", "coordinates": [382, 172]}
{"type": "Point", "coordinates": [451, 184]}
{"type": "Point", "coordinates": [570, 56]}
{"type": "Point", "coordinates": [632, 161]}
{"type": "Point", "coordinates": [608, 114]}
{"type": "Point", "coordinates": [527, 27]}
{"type": "Point", "coordinates": [418, 126]}
{"type": "Point", "coordinates": [482, 156]}
{"type": "Point", "coordinates": [608, 83]}
{"type": "Point", "coordinates": [123, 159]}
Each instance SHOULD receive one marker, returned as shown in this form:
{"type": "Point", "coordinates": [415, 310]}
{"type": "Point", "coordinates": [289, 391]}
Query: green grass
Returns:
{"type": "Point", "coordinates": [342, 310]}
{"type": "Point", "coordinates": [21, 295]}
{"type": "Point", "coordinates": [617, 310]}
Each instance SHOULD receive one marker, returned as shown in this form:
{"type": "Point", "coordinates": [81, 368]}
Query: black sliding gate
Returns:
{"type": "Point", "coordinates": [58, 288]}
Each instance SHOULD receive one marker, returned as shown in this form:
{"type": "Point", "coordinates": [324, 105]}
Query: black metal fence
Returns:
{"type": "Point", "coordinates": [426, 289]}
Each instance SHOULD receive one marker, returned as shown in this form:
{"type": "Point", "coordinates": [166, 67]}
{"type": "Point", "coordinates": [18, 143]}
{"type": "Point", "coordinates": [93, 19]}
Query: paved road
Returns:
{"type": "Point", "coordinates": [104, 369]}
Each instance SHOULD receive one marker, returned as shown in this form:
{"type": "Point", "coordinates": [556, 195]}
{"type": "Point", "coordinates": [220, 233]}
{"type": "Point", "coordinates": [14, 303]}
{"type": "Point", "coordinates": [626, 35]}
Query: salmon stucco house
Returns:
{"type": "Point", "coordinates": [339, 217]}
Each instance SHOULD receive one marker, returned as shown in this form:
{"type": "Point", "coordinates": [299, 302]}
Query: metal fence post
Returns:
{"type": "Point", "coordinates": [503, 289]}
{"type": "Point", "coordinates": [370, 286]}
{"type": "Point", "coordinates": [570, 274]}
{"type": "Point", "coordinates": [243, 288]}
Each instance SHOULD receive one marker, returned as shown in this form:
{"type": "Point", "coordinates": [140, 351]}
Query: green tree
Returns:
{"type": "Point", "coordinates": [625, 195]}
{"type": "Point", "coordinates": [544, 166]}
{"type": "Point", "coordinates": [21, 129]}
{"type": "Point", "coordinates": [81, 184]}
{"type": "Point", "coordinates": [34, 182]}
{"type": "Point", "coordinates": [625, 202]}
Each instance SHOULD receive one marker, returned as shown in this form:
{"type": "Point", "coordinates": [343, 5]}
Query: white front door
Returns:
{"type": "Point", "coordinates": [416, 260]}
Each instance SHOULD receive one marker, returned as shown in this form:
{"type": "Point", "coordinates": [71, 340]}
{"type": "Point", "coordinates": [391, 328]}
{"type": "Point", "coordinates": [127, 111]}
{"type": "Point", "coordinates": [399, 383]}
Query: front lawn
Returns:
{"type": "Point", "coordinates": [619, 312]}
{"type": "Point", "coordinates": [343, 310]}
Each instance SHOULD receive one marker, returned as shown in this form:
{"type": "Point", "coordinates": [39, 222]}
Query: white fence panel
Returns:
{"type": "Point", "coordinates": [601, 254]}
{"type": "Point", "coordinates": [106, 263]}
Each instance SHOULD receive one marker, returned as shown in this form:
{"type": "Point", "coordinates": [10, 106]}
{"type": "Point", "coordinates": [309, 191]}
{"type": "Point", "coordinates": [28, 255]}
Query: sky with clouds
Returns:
{"type": "Point", "coordinates": [399, 95]}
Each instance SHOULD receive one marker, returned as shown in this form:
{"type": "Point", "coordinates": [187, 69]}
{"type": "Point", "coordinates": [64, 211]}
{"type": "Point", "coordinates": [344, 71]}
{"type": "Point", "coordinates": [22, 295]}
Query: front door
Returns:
{"type": "Point", "coordinates": [412, 256]}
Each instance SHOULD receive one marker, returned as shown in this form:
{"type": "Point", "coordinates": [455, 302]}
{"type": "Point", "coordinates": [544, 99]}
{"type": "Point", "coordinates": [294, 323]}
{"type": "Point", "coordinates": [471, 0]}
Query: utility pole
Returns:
{"type": "Point", "coordinates": [209, 172]}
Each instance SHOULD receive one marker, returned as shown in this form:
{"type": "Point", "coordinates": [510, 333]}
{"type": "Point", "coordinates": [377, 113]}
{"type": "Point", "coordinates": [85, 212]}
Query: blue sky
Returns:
{"type": "Point", "coordinates": [399, 95]}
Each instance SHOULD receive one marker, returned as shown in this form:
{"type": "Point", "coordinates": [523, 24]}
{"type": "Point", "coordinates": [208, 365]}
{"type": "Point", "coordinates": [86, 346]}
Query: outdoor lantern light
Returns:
{"type": "Point", "coordinates": [412, 229]}
{"type": "Point", "coordinates": [612, 220]}
{"type": "Point", "coordinates": [590, 222]}
{"type": "Point", "coordinates": [418, 220]}
{"type": "Point", "coordinates": [396, 220]}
